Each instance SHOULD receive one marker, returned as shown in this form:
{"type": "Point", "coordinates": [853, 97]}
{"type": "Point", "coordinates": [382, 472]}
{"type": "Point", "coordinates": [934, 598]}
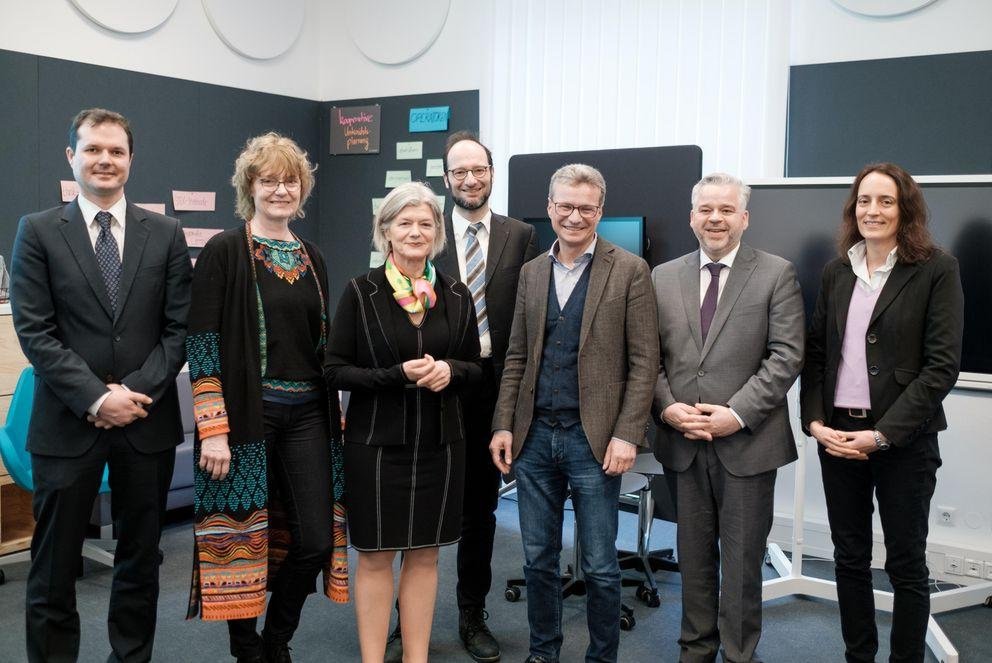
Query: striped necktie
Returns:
{"type": "Point", "coordinates": [475, 269]}
{"type": "Point", "coordinates": [108, 256]}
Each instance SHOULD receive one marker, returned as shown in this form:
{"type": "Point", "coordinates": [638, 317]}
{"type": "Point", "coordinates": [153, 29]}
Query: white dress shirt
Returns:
{"type": "Point", "coordinates": [460, 226]}
{"type": "Point", "coordinates": [858, 255]}
{"type": "Point", "coordinates": [118, 211]}
{"type": "Point", "coordinates": [89, 211]}
{"type": "Point", "coordinates": [704, 274]}
{"type": "Point", "coordinates": [704, 284]}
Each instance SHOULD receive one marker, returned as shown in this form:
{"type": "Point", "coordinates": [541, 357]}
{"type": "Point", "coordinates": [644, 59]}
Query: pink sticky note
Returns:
{"type": "Point", "coordinates": [197, 237]}
{"type": "Point", "coordinates": [152, 207]}
{"type": "Point", "coordinates": [69, 190]}
{"type": "Point", "coordinates": [193, 201]}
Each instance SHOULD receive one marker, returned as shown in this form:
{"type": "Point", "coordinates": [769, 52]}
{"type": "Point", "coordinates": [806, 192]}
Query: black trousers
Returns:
{"type": "Point", "coordinates": [902, 480]}
{"type": "Point", "coordinates": [482, 482]}
{"type": "Point", "coordinates": [298, 438]}
{"type": "Point", "coordinates": [64, 491]}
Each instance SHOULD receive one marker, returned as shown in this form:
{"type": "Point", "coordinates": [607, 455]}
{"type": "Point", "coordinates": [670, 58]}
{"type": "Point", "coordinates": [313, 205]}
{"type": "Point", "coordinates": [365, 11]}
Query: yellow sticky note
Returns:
{"type": "Point", "coordinates": [395, 178]}
{"type": "Point", "coordinates": [411, 150]}
{"type": "Point", "coordinates": [435, 168]}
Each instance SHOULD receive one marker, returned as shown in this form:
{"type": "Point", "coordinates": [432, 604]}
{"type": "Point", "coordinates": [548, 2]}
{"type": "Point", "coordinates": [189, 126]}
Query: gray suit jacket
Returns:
{"type": "Point", "coordinates": [77, 343]}
{"type": "Point", "coordinates": [618, 350]}
{"type": "Point", "coordinates": [752, 355]}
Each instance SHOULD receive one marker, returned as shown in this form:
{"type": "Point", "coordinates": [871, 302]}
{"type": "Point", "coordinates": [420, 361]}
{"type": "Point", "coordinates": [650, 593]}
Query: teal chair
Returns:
{"type": "Point", "coordinates": [17, 460]}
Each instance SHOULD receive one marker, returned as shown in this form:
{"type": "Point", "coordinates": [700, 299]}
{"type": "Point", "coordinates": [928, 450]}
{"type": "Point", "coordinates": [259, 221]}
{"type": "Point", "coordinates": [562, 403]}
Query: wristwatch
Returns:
{"type": "Point", "coordinates": [881, 444]}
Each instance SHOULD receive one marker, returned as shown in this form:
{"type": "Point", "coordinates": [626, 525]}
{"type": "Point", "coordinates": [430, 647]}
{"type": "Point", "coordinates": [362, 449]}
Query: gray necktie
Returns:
{"type": "Point", "coordinates": [708, 309]}
{"type": "Point", "coordinates": [108, 257]}
{"type": "Point", "coordinates": [475, 276]}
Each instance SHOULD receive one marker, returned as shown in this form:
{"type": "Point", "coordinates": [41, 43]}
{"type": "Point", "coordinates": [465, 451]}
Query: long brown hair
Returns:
{"type": "Point", "coordinates": [913, 240]}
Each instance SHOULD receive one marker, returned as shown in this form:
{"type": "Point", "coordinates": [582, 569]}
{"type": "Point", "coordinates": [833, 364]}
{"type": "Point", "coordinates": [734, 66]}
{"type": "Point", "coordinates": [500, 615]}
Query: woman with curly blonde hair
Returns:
{"type": "Point", "coordinates": [268, 465]}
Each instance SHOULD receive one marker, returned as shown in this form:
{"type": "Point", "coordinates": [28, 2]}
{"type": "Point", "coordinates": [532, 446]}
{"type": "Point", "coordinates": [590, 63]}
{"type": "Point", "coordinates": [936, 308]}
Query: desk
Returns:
{"type": "Point", "coordinates": [16, 519]}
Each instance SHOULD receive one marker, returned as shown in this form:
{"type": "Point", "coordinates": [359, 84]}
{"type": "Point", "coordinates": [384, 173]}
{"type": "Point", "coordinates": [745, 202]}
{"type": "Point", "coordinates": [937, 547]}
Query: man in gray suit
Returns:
{"type": "Point", "coordinates": [573, 406]}
{"type": "Point", "coordinates": [731, 322]}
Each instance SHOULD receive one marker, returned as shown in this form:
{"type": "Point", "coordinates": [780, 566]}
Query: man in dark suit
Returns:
{"type": "Point", "coordinates": [100, 293]}
{"type": "Point", "coordinates": [731, 322]}
{"type": "Point", "coordinates": [486, 250]}
{"type": "Point", "coordinates": [573, 406]}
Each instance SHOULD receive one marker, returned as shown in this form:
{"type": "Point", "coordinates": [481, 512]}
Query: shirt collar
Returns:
{"type": "Point", "coordinates": [90, 209]}
{"type": "Point", "coordinates": [727, 260]}
{"type": "Point", "coordinates": [858, 255]}
{"type": "Point", "coordinates": [590, 251]}
{"type": "Point", "coordinates": [459, 224]}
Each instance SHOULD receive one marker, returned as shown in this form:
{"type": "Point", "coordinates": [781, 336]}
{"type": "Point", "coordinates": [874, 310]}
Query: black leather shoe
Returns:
{"type": "Point", "coordinates": [394, 647]}
{"type": "Point", "coordinates": [277, 652]}
{"type": "Point", "coordinates": [251, 659]}
{"type": "Point", "coordinates": [479, 642]}
{"type": "Point", "coordinates": [536, 659]}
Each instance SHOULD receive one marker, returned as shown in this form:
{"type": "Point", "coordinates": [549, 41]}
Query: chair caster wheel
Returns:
{"type": "Point", "coordinates": [644, 593]}
{"type": "Point", "coordinates": [650, 598]}
{"type": "Point", "coordinates": [512, 594]}
{"type": "Point", "coordinates": [627, 622]}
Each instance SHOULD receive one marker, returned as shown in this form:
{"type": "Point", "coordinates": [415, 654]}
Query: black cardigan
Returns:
{"type": "Point", "coordinates": [362, 358]}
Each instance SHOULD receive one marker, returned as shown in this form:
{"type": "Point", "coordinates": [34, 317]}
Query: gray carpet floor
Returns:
{"type": "Point", "coordinates": [795, 629]}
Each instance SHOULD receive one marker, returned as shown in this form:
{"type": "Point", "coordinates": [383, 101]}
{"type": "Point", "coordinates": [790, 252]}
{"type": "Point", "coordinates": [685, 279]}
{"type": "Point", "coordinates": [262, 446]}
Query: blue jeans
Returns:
{"type": "Point", "coordinates": [553, 462]}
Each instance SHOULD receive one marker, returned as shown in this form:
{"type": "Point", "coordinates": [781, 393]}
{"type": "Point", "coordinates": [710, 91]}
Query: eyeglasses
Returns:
{"type": "Point", "coordinates": [270, 185]}
{"type": "Point", "coordinates": [461, 173]}
{"type": "Point", "coordinates": [587, 212]}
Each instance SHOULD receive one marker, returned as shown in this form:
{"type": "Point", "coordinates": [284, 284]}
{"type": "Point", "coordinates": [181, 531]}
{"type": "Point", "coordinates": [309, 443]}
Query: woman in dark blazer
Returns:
{"type": "Point", "coordinates": [882, 352]}
{"type": "Point", "coordinates": [405, 343]}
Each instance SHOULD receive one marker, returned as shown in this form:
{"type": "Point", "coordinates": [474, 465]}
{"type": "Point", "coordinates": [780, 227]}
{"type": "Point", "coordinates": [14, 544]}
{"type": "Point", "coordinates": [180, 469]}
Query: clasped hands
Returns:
{"type": "Point", "coordinates": [701, 421]}
{"type": "Point", "coordinates": [120, 408]}
{"type": "Point", "coordinates": [854, 445]}
{"type": "Point", "coordinates": [428, 372]}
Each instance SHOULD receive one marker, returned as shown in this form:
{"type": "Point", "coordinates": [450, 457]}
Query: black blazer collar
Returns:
{"type": "Point", "coordinates": [385, 308]}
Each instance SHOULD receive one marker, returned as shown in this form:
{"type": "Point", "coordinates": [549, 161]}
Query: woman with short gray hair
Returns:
{"type": "Point", "coordinates": [405, 343]}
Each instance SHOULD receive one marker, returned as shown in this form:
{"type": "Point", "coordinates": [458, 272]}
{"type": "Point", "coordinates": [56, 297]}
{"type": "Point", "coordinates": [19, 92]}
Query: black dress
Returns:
{"type": "Point", "coordinates": [409, 495]}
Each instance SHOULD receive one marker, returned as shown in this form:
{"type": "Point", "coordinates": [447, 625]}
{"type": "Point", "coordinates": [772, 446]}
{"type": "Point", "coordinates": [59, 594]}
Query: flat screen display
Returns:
{"type": "Point", "coordinates": [627, 232]}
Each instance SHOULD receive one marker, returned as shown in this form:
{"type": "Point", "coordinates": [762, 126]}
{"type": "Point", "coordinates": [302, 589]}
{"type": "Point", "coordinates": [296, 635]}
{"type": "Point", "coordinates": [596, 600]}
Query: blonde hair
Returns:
{"type": "Point", "coordinates": [274, 154]}
{"type": "Point", "coordinates": [411, 193]}
{"type": "Point", "coordinates": [576, 174]}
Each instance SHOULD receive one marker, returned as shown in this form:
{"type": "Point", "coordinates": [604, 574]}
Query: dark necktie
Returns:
{"type": "Point", "coordinates": [108, 257]}
{"type": "Point", "coordinates": [475, 275]}
{"type": "Point", "coordinates": [708, 309]}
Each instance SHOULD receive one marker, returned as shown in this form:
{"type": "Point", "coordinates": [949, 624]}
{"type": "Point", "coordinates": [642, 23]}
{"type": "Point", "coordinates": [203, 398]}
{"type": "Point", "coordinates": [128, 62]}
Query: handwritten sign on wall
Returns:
{"type": "Point", "coordinates": [197, 237]}
{"type": "Point", "coordinates": [152, 207]}
{"type": "Point", "coordinates": [355, 129]}
{"type": "Point", "coordinates": [193, 201]}
{"type": "Point", "coordinates": [410, 150]}
{"type": "Point", "coordinates": [434, 118]}
{"type": "Point", "coordinates": [69, 190]}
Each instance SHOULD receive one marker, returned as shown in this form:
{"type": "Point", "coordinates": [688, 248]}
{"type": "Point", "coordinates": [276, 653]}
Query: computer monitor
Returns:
{"type": "Point", "coordinates": [626, 232]}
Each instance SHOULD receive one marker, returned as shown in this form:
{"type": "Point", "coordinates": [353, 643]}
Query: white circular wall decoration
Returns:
{"type": "Point", "coordinates": [395, 31]}
{"type": "Point", "coordinates": [127, 16]}
{"type": "Point", "coordinates": [883, 8]}
{"type": "Point", "coordinates": [259, 29]}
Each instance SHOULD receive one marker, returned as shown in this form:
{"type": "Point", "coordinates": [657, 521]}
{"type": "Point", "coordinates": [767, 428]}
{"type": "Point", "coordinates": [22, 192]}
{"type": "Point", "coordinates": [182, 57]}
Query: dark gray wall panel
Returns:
{"type": "Point", "coordinates": [930, 114]}
{"type": "Point", "coordinates": [348, 182]}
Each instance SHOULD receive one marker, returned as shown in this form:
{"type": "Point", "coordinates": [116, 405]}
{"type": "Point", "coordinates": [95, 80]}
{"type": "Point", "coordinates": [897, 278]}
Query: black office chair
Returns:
{"type": "Point", "coordinates": [655, 499]}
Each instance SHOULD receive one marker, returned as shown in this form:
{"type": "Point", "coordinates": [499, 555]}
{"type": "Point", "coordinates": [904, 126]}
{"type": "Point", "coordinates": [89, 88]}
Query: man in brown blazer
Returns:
{"type": "Point", "coordinates": [573, 406]}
